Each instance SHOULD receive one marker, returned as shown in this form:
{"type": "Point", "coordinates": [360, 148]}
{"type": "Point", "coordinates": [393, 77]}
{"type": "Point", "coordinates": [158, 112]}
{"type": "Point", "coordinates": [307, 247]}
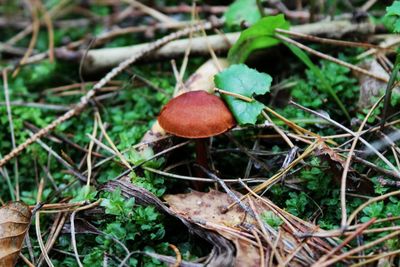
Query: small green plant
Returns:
{"type": "Point", "coordinates": [135, 226]}
{"type": "Point", "coordinates": [297, 203]}
{"type": "Point", "coordinates": [317, 177]}
{"type": "Point", "coordinates": [130, 104]}
{"type": "Point", "coordinates": [310, 93]}
{"type": "Point", "coordinates": [322, 77]}
{"type": "Point", "coordinates": [271, 219]}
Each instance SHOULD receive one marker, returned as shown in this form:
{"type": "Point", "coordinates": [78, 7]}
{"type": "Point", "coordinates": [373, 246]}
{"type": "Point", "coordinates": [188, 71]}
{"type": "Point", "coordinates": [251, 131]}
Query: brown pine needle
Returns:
{"type": "Point", "coordinates": [50, 30]}
{"type": "Point", "coordinates": [346, 167]}
{"type": "Point", "coordinates": [328, 41]}
{"type": "Point", "coordinates": [91, 93]}
{"type": "Point", "coordinates": [32, 43]}
{"type": "Point", "coordinates": [330, 58]}
{"type": "Point", "coordinates": [178, 255]}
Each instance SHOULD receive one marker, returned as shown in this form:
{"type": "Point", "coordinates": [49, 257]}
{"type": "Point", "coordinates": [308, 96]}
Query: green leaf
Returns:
{"type": "Point", "coordinates": [258, 36]}
{"type": "Point", "coordinates": [245, 81]}
{"type": "Point", "coordinates": [271, 219]}
{"type": "Point", "coordinates": [85, 193]}
{"type": "Point", "coordinates": [318, 73]}
{"type": "Point", "coordinates": [116, 204]}
{"type": "Point", "coordinates": [374, 210]}
{"type": "Point", "coordinates": [394, 11]}
{"type": "Point", "coordinates": [242, 10]}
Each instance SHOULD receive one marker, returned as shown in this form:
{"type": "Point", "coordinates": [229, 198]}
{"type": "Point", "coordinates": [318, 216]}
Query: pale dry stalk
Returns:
{"type": "Point", "coordinates": [91, 93]}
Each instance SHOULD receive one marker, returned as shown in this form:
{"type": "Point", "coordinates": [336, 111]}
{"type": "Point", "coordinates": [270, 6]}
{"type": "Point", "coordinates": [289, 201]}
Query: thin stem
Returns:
{"type": "Point", "coordinates": [347, 165]}
{"type": "Point", "coordinates": [202, 160]}
{"type": "Point", "coordinates": [330, 58]}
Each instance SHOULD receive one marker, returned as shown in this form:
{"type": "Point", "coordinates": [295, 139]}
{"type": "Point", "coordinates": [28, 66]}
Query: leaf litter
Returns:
{"type": "Point", "coordinates": [242, 229]}
{"type": "Point", "coordinates": [15, 218]}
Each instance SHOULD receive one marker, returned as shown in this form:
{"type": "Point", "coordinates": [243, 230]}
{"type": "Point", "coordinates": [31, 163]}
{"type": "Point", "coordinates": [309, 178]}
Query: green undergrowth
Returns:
{"type": "Point", "coordinates": [311, 191]}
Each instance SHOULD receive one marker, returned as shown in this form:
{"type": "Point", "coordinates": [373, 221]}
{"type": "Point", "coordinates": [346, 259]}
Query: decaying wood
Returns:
{"type": "Point", "coordinates": [15, 218]}
{"type": "Point", "coordinates": [97, 59]}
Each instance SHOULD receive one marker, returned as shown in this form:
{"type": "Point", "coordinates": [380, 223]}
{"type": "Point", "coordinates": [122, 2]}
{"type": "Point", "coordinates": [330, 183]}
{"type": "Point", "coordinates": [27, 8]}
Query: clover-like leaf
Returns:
{"type": "Point", "coordinates": [242, 10]}
{"type": "Point", "coordinates": [258, 36]}
{"type": "Point", "coordinates": [242, 80]}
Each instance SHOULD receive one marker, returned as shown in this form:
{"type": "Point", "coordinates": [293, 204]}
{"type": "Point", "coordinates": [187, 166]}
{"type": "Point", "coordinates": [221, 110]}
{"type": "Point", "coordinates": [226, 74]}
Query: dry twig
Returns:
{"type": "Point", "coordinates": [90, 94]}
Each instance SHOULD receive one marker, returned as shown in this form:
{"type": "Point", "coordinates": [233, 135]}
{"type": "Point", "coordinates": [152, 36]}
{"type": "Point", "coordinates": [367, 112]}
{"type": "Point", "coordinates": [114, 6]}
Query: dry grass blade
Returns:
{"type": "Point", "coordinates": [15, 218]}
{"type": "Point", "coordinates": [378, 257]}
{"type": "Point", "coordinates": [90, 94]}
{"type": "Point", "coordinates": [347, 165]}
{"type": "Point", "coordinates": [11, 123]}
{"type": "Point", "coordinates": [328, 41]}
{"type": "Point", "coordinates": [54, 233]}
{"type": "Point", "coordinates": [151, 11]}
{"type": "Point", "coordinates": [268, 183]}
{"type": "Point", "coordinates": [178, 255]}
{"type": "Point", "coordinates": [35, 32]}
{"type": "Point", "coordinates": [50, 29]}
{"type": "Point", "coordinates": [223, 251]}
{"type": "Point", "coordinates": [383, 158]}
{"type": "Point", "coordinates": [360, 248]}
{"type": "Point", "coordinates": [248, 231]}
{"type": "Point", "coordinates": [370, 201]}
{"type": "Point", "coordinates": [330, 58]}
{"type": "Point", "coordinates": [324, 258]}
{"type": "Point", "coordinates": [110, 142]}
{"type": "Point", "coordinates": [72, 219]}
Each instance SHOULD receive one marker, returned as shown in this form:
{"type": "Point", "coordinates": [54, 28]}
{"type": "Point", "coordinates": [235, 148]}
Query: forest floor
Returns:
{"type": "Point", "coordinates": [212, 133]}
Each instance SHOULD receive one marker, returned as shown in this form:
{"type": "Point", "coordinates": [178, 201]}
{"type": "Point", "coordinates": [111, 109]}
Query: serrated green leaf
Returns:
{"type": "Point", "coordinates": [258, 36]}
{"type": "Point", "coordinates": [242, 10]}
{"type": "Point", "coordinates": [245, 81]}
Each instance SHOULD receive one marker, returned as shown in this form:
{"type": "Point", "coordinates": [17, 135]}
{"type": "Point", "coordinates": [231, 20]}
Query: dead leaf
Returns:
{"type": "Point", "coordinates": [223, 251]}
{"type": "Point", "coordinates": [15, 218]}
{"type": "Point", "coordinates": [210, 207]}
{"type": "Point", "coordinates": [247, 255]}
{"type": "Point", "coordinates": [208, 210]}
{"type": "Point", "coordinates": [324, 149]}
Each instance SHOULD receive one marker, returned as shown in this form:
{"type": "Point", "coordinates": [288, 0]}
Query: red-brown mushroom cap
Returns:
{"type": "Point", "coordinates": [196, 114]}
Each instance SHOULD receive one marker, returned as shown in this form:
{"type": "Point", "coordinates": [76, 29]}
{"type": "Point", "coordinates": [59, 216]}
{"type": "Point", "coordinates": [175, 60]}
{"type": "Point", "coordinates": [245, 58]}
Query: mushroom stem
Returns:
{"type": "Point", "coordinates": [201, 152]}
{"type": "Point", "coordinates": [201, 159]}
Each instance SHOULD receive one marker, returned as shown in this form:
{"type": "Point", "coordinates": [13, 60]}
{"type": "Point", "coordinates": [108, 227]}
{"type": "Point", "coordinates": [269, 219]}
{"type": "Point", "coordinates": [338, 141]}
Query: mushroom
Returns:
{"type": "Point", "coordinates": [196, 115]}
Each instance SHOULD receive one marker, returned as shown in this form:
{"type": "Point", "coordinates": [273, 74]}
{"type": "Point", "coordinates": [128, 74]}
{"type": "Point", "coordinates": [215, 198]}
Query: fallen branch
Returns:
{"type": "Point", "coordinates": [104, 58]}
{"type": "Point", "coordinates": [91, 93]}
